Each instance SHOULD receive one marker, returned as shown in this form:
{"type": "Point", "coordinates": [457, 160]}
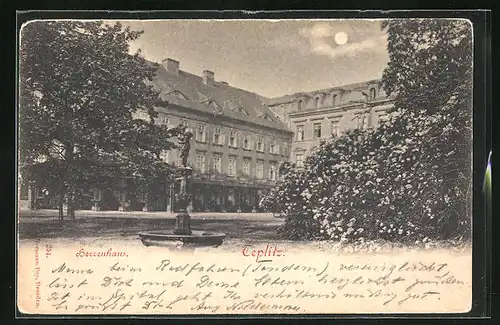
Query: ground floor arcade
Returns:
{"type": "Point", "coordinates": [206, 196]}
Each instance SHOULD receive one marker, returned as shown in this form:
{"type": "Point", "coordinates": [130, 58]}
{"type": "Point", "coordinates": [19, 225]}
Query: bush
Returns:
{"type": "Point", "coordinates": [406, 180]}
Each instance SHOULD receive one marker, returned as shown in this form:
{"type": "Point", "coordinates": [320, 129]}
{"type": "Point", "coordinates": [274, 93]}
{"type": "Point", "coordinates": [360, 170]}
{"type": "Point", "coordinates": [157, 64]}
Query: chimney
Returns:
{"type": "Point", "coordinates": [171, 65]}
{"type": "Point", "coordinates": [208, 77]}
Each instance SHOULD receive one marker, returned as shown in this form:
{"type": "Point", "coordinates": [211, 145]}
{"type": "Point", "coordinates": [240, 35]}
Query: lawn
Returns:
{"type": "Point", "coordinates": [30, 228]}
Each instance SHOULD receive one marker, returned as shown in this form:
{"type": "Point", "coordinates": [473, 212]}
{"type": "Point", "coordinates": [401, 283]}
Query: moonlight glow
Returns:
{"type": "Point", "coordinates": [341, 38]}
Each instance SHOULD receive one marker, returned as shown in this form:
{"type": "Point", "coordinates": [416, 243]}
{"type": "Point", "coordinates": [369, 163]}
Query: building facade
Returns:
{"type": "Point", "coordinates": [318, 115]}
{"type": "Point", "coordinates": [238, 143]}
{"type": "Point", "coordinates": [239, 139]}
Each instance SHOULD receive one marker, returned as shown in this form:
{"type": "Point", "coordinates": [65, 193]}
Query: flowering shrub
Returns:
{"type": "Point", "coordinates": [406, 180]}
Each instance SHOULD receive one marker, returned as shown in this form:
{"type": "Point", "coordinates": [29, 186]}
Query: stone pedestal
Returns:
{"type": "Point", "coordinates": [32, 195]}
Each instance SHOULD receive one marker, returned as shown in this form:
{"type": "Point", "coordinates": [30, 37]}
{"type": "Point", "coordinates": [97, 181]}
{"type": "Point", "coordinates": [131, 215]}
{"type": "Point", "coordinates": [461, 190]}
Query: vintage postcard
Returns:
{"type": "Point", "coordinates": [245, 167]}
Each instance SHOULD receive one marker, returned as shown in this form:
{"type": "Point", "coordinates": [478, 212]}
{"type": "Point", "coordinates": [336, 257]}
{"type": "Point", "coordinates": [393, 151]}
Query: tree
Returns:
{"type": "Point", "coordinates": [431, 70]}
{"type": "Point", "coordinates": [79, 90]}
{"type": "Point", "coordinates": [430, 63]}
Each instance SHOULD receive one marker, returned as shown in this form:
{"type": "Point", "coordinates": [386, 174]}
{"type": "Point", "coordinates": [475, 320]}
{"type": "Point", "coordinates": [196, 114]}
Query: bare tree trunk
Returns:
{"type": "Point", "coordinates": [73, 210]}
{"type": "Point", "coordinates": [68, 153]}
{"type": "Point", "coordinates": [70, 203]}
{"type": "Point", "coordinates": [60, 206]}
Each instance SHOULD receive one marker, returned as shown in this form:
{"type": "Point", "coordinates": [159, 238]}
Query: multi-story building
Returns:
{"type": "Point", "coordinates": [238, 142]}
{"type": "Point", "coordinates": [241, 138]}
{"type": "Point", "coordinates": [318, 115]}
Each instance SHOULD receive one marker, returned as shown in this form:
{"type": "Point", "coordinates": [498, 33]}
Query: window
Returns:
{"type": "Point", "coordinates": [200, 162]}
{"type": "Point", "coordinates": [299, 104]}
{"type": "Point", "coordinates": [120, 196]}
{"type": "Point", "coordinates": [316, 102]}
{"type": "Point", "coordinates": [163, 120]}
{"type": "Point", "coordinates": [218, 137]}
{"type": "Point", "coordinates": [300, 133]}
{"type": "Point", "coordinates": [231, 167]}
{"type": "Point", "coordinates": [201, 133]}
{"type": "Point", "coordinates": [272, 147]}
{"type": "Point", "coordinates": [260, 169]}
{"type": "Point", "coordinates": [335, 128]}
{"type": "Point", "coordinates": [373, 93]}
{"type": "Point", "coordinates": [184, 123]}
{"type": "Point", "coordinates": [299, 160]}
{"type": "Point", "coordinates": [285, 149]}
{"type": "Point", "coordinates": [217, 163]}
{"type": "Point", "coordinates": [246, 166]}
{"type": "Point", "coordinates": [260, 144]}
{"type": "Point", "coordinates": [365, 121]}
{"type": "Point", "coordinates": [272, 171]}
{"type": "Point", "coordinates": [233, 139]}
{"type": "Point", "coordinates": [246, 142]}
{"type": "Point", "coordinates": [317, 130]}
{"type": "Point", "coordinates": [334, 100]}
{"type": "Point", "coordinates": [164, 155]}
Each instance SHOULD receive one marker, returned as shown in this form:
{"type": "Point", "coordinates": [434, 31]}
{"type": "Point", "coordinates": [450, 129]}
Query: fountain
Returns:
{"type": "Point", "coordinates": [182, 237]}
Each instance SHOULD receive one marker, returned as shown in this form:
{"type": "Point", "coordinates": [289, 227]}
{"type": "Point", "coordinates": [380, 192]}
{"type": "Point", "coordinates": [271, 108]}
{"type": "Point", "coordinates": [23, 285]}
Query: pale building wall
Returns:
{"type": "Point", "coordinates": [281, 138]}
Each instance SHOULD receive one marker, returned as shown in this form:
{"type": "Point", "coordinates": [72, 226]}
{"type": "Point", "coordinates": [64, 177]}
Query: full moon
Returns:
{"type": "Point", "coordinates": [341, 38]}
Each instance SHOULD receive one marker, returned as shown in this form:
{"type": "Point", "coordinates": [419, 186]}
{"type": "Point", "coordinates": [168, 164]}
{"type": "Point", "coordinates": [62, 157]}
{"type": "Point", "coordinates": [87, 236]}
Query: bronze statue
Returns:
{"type": "Point", "coordinates": [185, 142]}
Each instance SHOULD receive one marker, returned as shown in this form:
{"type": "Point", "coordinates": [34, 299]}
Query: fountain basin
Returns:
{"type": "Point", "coordinates": [167, 238]}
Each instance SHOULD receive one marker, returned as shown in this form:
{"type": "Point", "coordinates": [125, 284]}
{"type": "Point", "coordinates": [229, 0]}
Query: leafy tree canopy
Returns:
{"type": "Point", "coordinates": [79, 89]}
{"type": "Point", "coordinates": [430, 62]}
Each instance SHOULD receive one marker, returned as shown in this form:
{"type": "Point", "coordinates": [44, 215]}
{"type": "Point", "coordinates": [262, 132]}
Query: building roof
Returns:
{"type": "Point", "coordinates": [218, 98]}
{"type": "Point", "coordinates": [290, 98]}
